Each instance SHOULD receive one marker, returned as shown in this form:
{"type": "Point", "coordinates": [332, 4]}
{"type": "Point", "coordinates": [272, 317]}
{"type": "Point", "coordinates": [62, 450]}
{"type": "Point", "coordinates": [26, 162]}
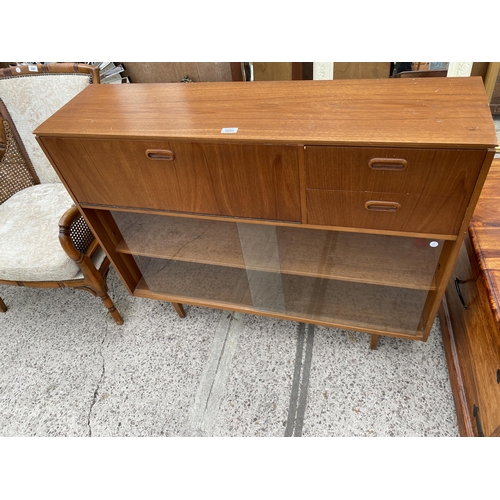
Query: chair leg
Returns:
{"type": "Point", "coordinates": [3, 307]}
{"type": "Point", "coordinates": [180, 310]}
{"type": "Point", "coordinates": [112, 309]}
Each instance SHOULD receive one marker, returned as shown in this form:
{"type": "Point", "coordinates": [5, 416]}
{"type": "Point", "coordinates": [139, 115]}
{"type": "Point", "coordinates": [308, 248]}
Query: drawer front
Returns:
{"type": "Point", "coordinates": [393, 170]}
{"type": "Point", "coordinates": [385, 211]}
{"type": "Point", "coordinates": [251, 181]}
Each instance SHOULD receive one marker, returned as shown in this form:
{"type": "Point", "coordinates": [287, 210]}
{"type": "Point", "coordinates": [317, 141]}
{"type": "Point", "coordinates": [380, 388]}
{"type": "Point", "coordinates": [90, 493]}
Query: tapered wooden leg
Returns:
{"type": "Point", "coordinates": [374, 341]}
{"type": "Point", "coordinates": [180, 310]}
{"type": "Point", "coordinates": [112, 309]}
{"type": "Point", "coordinates": [3, 307]}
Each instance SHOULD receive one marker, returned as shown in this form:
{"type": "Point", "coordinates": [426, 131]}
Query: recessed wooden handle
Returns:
{"type": "Point", "coordinates": [387, 164]}
{"type": "Point", "coordinates": [382, 206]}
{"type": "Point", "coordinates": [160, 154]}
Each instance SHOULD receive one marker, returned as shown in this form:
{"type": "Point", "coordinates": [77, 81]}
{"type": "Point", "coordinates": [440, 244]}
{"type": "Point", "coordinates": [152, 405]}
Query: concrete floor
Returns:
{"type": "Point", "coordinates": [69, 370]}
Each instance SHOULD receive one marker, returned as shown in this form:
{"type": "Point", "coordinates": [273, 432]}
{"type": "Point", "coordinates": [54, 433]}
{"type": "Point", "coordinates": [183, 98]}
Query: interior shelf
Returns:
{"type": "Point", "coordinates": [370, 308]}
{"type": "Point", "coordinates": [393, 261]}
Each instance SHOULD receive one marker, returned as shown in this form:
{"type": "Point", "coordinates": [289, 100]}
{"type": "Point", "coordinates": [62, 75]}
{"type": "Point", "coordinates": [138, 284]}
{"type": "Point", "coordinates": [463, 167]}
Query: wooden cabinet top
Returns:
{"type": "Point", "coordinates": [425, 112]}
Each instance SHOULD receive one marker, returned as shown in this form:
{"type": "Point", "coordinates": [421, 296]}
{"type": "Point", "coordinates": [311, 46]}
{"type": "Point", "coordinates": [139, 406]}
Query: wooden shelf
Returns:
{"type": "Point", "coordinates": [346, 256]}
{"type": "Point", "coordinates": [369, 308]}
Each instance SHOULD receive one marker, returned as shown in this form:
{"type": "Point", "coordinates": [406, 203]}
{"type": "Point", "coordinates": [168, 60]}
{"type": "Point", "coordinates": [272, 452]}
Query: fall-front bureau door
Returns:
{"type": "Point", "coordinates": [254, 181]}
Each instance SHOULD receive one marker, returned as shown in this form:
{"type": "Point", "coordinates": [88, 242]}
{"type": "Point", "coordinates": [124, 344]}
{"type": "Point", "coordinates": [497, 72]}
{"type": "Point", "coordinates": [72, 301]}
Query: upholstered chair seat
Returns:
{"type": "Point", "coordinates": [30, 219]}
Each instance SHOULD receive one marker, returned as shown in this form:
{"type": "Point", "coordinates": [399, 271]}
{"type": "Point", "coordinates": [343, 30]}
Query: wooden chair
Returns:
{"type": "Point", "coordinates": [44, 240]}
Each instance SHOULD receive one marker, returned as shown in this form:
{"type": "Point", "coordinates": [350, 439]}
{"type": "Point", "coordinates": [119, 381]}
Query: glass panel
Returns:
{"type": "Point", "coordinates": [364, 258]}
{"type": "Point", "coordinates": [337, 276]}
{"type": "Point", "coordinates": [180, 238]}
{"type": "Point", "coordinates": [200, 282]}
{"type": "Point", "coordinates": [354, 305]}
{"type": "Point", "coordinates": [354, 280]}
{"type": "Point", "coordinates": [259, 244]}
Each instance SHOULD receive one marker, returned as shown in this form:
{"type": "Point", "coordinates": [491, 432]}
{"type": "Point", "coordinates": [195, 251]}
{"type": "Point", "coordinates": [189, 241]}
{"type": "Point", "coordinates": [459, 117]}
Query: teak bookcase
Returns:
{"type": "Point", "coordinates": [340, 203]}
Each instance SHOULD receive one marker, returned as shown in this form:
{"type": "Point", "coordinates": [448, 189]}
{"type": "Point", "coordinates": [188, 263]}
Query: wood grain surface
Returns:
{"type": "Point", "coordinates": [241, 180]}
{"type": "Point", "coordinates": [429, 171]}
{"type": "Point", "coordinates": [454, 328]}
{"type": "Point", "coordinates": [477, 341]}
{"type": "Point", "coordinates": [351, 70]}
{"type": "Point", "coordinates": [472, 336]}
{"type": "Point", "coordinates": [484, 232]}
{"type": "Point", "coordinates": [417, 213]}
{"type": "Point", "coordinates": [270, 71]}
{"type": "Point", "coordinates": [174, 72]}
{"type": "Point", "coordinates": [437, 112]}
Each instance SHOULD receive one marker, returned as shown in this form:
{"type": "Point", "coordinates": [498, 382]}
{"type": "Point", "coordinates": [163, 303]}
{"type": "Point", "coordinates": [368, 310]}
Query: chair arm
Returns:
{"type": "Point", "coordinates": [94, 280]}
{"type": "Point", "coordinates": [65, 223]}
{"type": "Point", "coordinates": [85, 244]}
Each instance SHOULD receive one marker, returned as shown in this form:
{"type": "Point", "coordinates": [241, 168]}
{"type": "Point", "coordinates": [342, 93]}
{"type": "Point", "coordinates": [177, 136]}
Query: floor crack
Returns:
{"type": "Point", "coordinates": [101, 379]}
{"type": "Point", "coordinates": [218, 362]}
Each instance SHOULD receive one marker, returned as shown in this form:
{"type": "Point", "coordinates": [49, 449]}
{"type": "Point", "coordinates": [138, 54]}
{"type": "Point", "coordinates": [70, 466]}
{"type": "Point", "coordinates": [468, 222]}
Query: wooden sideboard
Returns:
{"type": "Point", "coordinates": [340, 203]}
{"type": "Point", "coordinates": [470, 318]}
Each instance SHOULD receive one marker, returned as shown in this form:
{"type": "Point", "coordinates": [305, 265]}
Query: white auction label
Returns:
{"type": "Point", "coordinates": [33, 68]}
{"type": "Point", "coordinates": [433, 244]}
{"type": "Point", "coordinates": [228, 130]}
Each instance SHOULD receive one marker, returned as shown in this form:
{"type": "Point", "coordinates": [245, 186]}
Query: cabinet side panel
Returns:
{"type": "Point", "coordinates": [477, 340]}
{"type": "Point", "coordinates": [484, 342]}
{"type": "Point", "coordinates": [458, 323]}
{"type": "Point", "coordinates": [108, 234]}
{"type": "Point", "coordinates": [455, 372]}
{"type": "Point", "coordinates": [450, 255]}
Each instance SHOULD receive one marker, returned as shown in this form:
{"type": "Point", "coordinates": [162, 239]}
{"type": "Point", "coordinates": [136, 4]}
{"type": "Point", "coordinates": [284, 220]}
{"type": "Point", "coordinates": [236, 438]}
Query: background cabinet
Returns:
{"type": "Point", "coordinates": [470, 319]}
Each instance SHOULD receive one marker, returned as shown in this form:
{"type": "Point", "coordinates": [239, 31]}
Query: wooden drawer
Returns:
{"type": "Point", "coordinates": [253, 181]}
{"type": "Point", "coordinates": [385, 211]}
{"type": "Point", "coordinates": [477, 342]}
{"type": "Point", "coordinates": [393, 170]}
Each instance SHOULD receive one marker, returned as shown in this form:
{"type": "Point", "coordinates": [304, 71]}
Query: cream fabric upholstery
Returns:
{"type": "Point", "coordinates": [30, 101]}
{"type": "Point", "coordinates": [29, 241]}
{"type": "Point", "coordinates": [97, 260]}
